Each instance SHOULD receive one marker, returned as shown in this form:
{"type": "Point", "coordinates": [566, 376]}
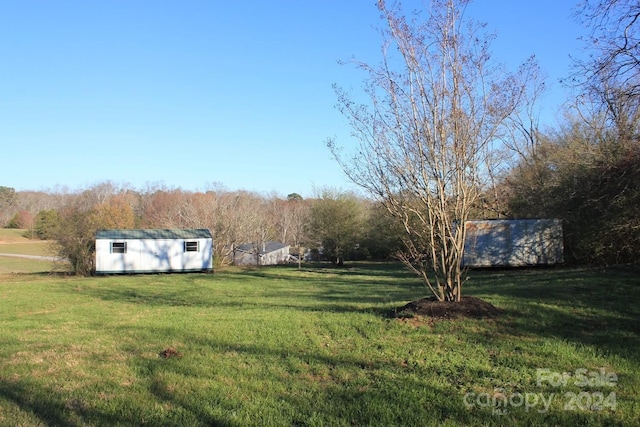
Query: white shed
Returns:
{"type": "Point", "coordinates": [154, 251]}
{"type": "Point", "coordinates": [513, 242]}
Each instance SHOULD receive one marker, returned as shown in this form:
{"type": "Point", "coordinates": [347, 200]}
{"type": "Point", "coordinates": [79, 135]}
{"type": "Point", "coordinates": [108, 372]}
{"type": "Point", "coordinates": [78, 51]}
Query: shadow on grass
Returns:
{"type": "Point", "coordinates": [589, 306]}
{"type": "Point", "coordinates": [46, 406]}
{"type": "Point", "coordinates": [380, 395]}
{"type": "Point", "coordinates": [362, 288]}
{"type": "Point", "coordinates": [385, 394]}
{"type": "Point", "coordinates": [41, 403]}
{"type": "Point", "coordinates": [594, 307]}
{"type": "Point", "coordinates": [537, 303]}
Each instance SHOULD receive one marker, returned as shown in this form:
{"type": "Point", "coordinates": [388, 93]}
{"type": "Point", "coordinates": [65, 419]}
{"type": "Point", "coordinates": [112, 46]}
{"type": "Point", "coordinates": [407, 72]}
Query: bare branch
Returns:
{"type": "Point", "coordinates": [426, 138]}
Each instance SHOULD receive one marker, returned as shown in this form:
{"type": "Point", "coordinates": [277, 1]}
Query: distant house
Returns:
{"type": "Point", "coordinates": [267, 253]}
{"type": "Point", "coordinates": [153, 251]}
{"type": "Point", "coordinates": [513, 243]}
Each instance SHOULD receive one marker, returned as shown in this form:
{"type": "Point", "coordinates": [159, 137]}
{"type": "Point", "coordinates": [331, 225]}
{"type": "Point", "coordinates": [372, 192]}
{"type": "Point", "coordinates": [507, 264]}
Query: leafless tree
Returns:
{"type": "Point", "coordinates": [608, 79]}
{"type": "Point", "coordinates": [7, 200]}
{"type": "Point", "coordinates": [613, 43]}
{"type": "Point", "coordinates": [240, 218]}
{"type": "Point", "coordinates": [297, 211]}
{"type": "Point", "coordinates": [290, 217]}
{"type": "Point", "coordinates": [436, 108]}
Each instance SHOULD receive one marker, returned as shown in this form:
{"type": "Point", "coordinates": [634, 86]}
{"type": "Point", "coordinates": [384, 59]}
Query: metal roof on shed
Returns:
{"type": "Point", "coordinates": [270, 246]}
{"type": "Point", "coordinates": [164, 233]}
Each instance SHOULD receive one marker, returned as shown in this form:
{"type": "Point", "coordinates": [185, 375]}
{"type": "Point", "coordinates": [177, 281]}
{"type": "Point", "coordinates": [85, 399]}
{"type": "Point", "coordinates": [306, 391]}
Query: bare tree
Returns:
{"type": "Point", "coordinates": [7, 200]}
{"type": "Point", "coordinates": [290, 217]}
{"type": "Point", "coordinates": [436, 109]}
{"type": "Point", "coordinates": [297, 210]}
{"type": "Point", "coordinates": [260, 225]}
{"type": "Point", "coordinates": [240, 218]}
{"type": "Point", "coordinates": [161, 208]}
{"type": "Point", "coordinates": [609, 78]}
{"type": "Point", "coordinates": [614, 44]}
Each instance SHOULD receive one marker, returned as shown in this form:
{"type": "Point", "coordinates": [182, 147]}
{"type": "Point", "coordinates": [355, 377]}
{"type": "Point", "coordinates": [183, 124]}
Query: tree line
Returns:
{"type": "Point", "coordinates": [334, 225]}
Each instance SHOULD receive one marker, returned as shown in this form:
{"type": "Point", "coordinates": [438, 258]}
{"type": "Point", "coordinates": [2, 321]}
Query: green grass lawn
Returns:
{"type": "Point", "coordinates": [35, 247]}
{"type": "Point", "coordinates": [12, 241]}
{"type": "Point", "coordinates": [280, 346]}
{"type": "Point", "coordinates": [10, 265]}
{"type": "Point", "coordinates": [9, 235]}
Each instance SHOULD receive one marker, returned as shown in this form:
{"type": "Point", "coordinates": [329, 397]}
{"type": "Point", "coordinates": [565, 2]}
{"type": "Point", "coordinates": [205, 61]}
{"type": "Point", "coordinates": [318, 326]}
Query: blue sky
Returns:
{"type": "Point", "coordinates": [190, 93]}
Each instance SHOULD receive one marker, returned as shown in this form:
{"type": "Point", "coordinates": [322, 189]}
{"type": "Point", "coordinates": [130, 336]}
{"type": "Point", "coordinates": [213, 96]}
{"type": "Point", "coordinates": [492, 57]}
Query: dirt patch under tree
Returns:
{"type": "Point", "coordinates": [469, 307]}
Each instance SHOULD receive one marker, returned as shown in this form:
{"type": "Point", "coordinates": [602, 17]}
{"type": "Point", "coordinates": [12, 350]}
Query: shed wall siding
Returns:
{"type": "Point", "coordinates": [277, 256]}
{"type": "Point", "coordinates": [153, 255]}
{"type": "Point", "coordinates": [513, 243]}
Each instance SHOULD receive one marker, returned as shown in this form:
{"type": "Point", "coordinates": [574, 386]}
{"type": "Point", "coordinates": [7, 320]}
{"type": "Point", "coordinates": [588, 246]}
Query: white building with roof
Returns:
{"type": "Point", "coordinates": [267, 253]}
{"type": "Point", "coordinates": [153, 251]}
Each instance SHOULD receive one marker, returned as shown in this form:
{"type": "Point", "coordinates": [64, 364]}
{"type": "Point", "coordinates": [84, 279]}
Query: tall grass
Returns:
{"type": "Point", "coordinates": [281, 346]}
